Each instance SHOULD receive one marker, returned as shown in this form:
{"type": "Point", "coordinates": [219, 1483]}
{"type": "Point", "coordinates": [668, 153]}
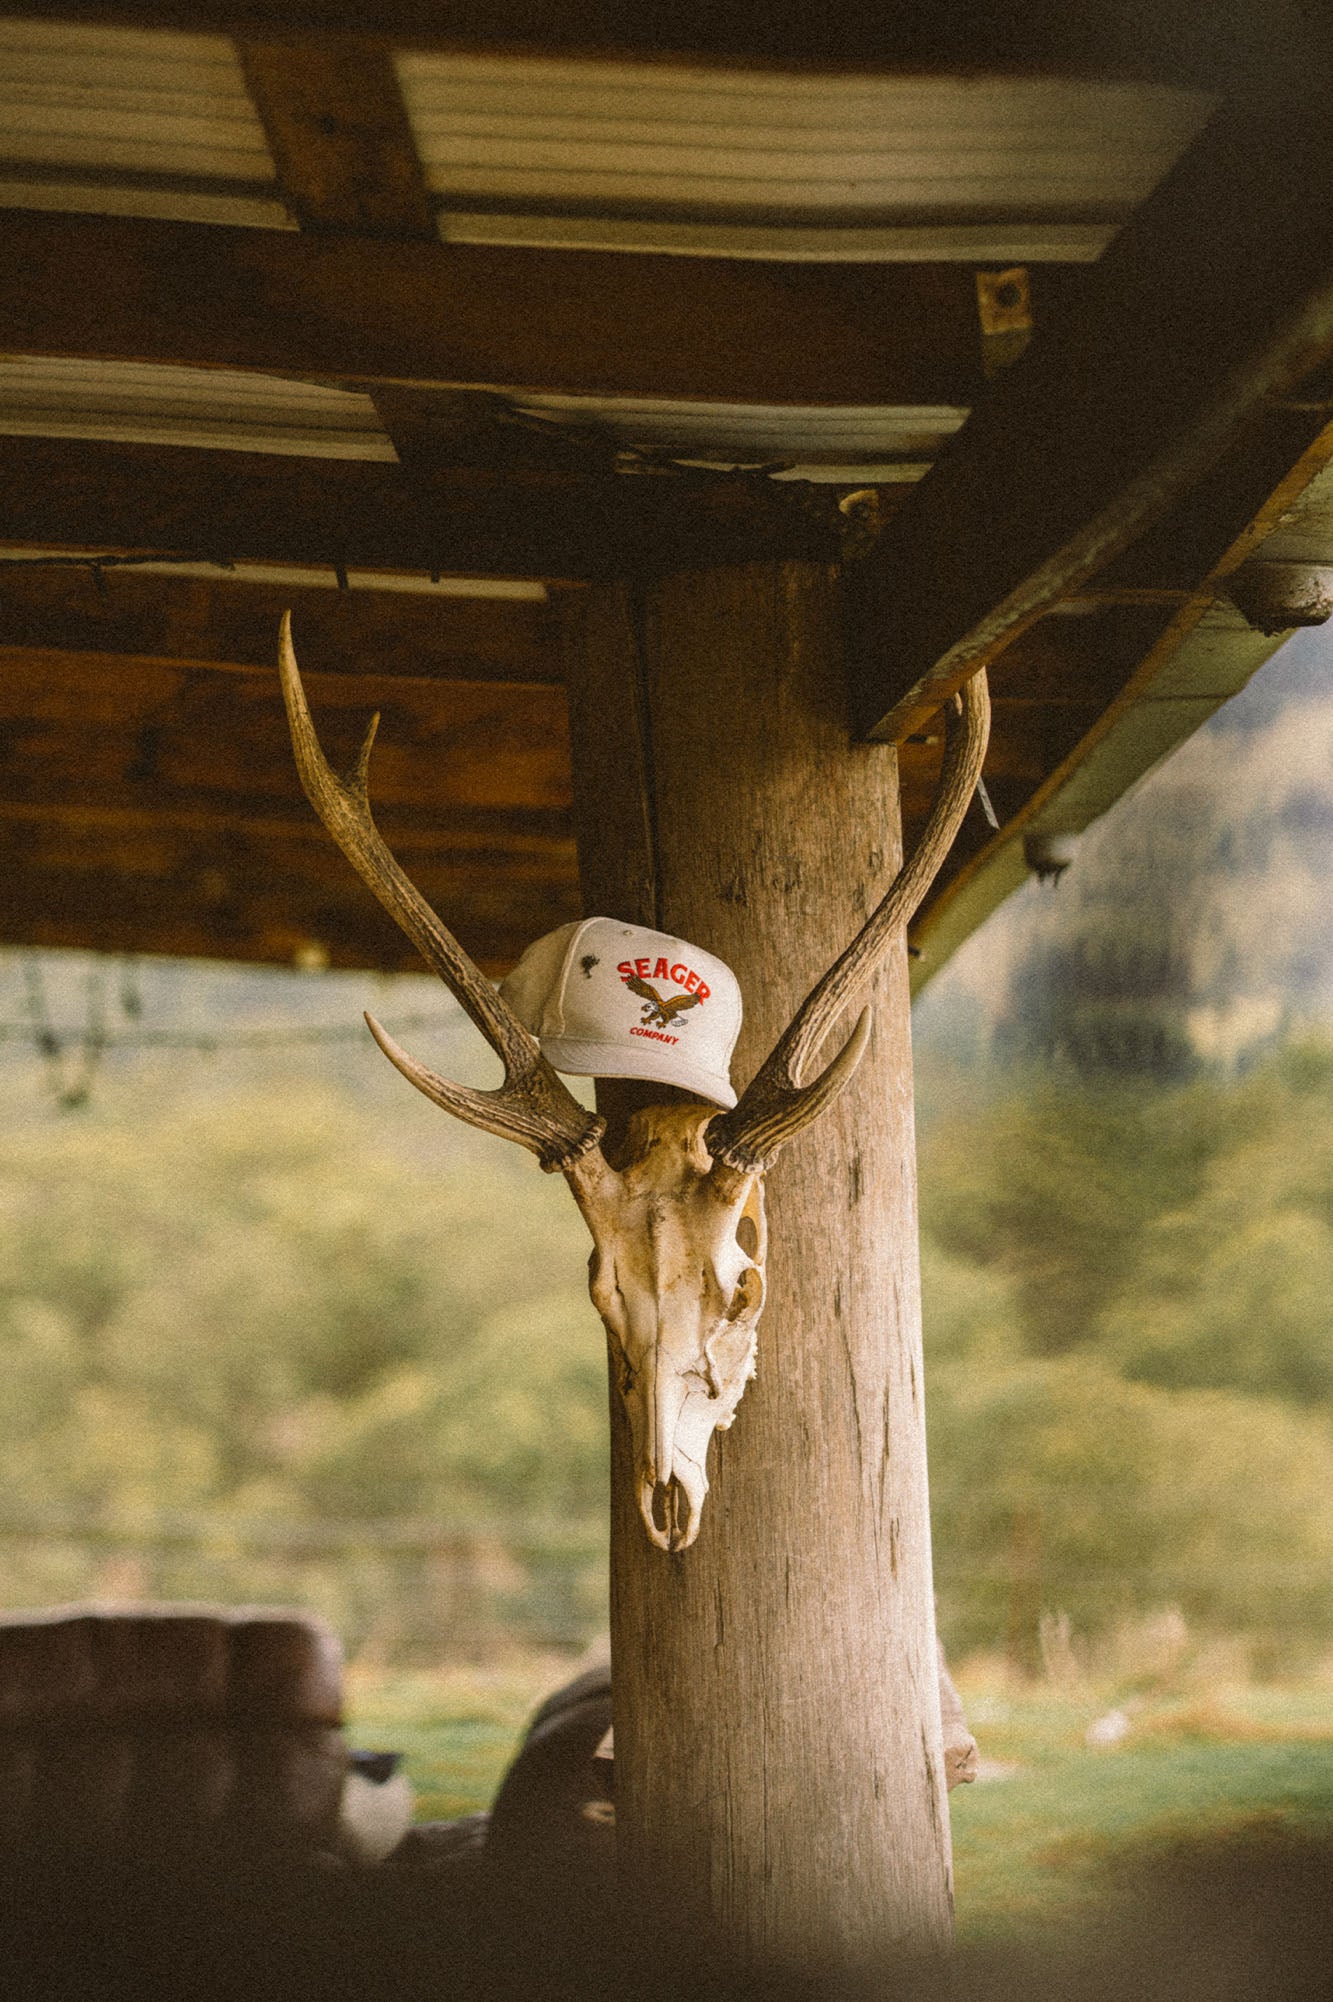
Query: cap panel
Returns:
{"type": "Point", "coordinates": [610, 999]}
{"type": "Point", "coordinates": [532, 985]}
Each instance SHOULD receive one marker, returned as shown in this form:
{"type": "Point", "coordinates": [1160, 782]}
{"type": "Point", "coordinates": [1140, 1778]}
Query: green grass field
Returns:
{"type": "Point", "coordinates": [1037, 1841]}
{"type": "Point", "coordinates": [1039, 1845]}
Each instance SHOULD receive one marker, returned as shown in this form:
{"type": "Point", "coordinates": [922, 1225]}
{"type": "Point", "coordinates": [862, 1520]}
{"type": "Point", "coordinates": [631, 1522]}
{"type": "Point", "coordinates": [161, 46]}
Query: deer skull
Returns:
{"type": "Point", "coordinates": [677, 1275]}
{"type": "Point", "coordinates": [677, 1218]}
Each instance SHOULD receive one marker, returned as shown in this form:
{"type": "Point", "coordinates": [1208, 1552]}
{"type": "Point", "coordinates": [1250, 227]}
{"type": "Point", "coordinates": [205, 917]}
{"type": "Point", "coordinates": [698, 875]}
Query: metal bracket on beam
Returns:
{"type": "Point", "coordinates": [1004, 307]}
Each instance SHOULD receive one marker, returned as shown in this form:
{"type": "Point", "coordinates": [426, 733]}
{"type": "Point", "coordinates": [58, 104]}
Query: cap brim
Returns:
{"type": "Point", "coordinates": [580, 1059]}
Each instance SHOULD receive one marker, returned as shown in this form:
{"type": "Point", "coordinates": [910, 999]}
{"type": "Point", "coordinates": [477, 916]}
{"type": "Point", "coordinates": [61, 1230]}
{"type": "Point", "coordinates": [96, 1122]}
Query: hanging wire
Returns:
{"type": "Point", "coordinates": [131, 994]}
{"type": "Point", "coordinates": [241, 1039]}
{"type": "Point", "coordinates": [71, 1057]}
{"type": "Point", "coordinates": [71, 1063]}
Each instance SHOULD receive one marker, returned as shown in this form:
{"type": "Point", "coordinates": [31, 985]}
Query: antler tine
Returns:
{"type": "Point", "coordinates": [533, 1106]}
{"type": "Point", "coordinates": [775, 1106]}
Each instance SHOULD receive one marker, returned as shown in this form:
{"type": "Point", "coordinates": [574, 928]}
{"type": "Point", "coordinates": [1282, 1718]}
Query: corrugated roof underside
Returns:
{"type": "Point", "coordinates": [132, 122]}
{"type": "Point", "coordinates": [146, 403]}
{"type": "Point", "coordinates": [883, 440]}
{"type": "Point", "coordinates": [674, 150]}
{"type": "Point", "coordinates": [612, 155]}
{"type": "Point", "coordinates": [142, 403]}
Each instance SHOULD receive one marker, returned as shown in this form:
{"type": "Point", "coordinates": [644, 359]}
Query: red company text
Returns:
{"type": "Point", "coordinates": [684, 976]}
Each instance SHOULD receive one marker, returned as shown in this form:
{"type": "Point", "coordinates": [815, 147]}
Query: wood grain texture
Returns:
{"type": "Point", "coordinates": [341, 143]}
{"type": "Point", "coordinates": [442, 744]}
{"type": "Point", "coordinates": [468, 522]}
{"type": "Point", "coordinates": [233, 623]}
{"type": "Point", "coordinates": [366, 310]}
{"type": "Point", "coordinates": [252, 902]}
{"type": "Point", "coordinates": [346, 161]}
{"type": "Point", "coordinates": [613, 805]}
{"type": "Point", "coordinates": [778, 1759]}
{"type": "Point", "coordinates": [151, 806]}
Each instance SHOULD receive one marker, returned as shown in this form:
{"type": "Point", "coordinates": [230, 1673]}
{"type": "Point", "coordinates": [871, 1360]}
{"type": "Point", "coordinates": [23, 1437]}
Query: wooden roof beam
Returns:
{"type": "Point", "coordinates": [269, 508]}
{"type": "Point", "coordinates": [363, 311]}
{"type": "Point", "coordinates": [347, 164]}
{"type": "Point", "coordinates": [148, 804]}
{"type": "Point", "coordinates": [1164, 41]}
{"type": "Point", "coordinates": [522, 844]}
{"type": "Point", "coordinates": [339, 134]}
{"type": "Point", "coordinates": [1175, 365]}
{"type": "Point", "coordinates": [232, 622]}
{"type": "Point", "coordinates": [75, 721]}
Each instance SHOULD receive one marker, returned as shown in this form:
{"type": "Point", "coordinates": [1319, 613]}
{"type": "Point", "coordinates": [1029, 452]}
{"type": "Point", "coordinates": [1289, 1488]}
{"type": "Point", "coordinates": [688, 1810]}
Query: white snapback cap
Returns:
{"type": "Point", "coordinates": [606, 999]}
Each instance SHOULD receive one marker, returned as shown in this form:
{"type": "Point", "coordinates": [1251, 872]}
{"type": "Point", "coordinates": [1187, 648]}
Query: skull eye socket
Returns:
{"type": "Point", "coordinates": [747, 1235]}
{"type": "Point", "coordinates": [748, 1295]}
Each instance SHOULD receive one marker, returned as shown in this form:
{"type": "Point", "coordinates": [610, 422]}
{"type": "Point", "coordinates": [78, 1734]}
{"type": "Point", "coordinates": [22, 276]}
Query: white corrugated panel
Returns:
{"type": "Point", "coordinates": [141, 403]}
{"type": "Point", "coordinates": [145, 403]}
{"type": "Point", "coordinates": [686, 149]}
{"type": "Point", "coordinates": [1014, 242]}
{"type": "Point", "coordinates": [882, 441]}
{"type": "Point", "coordinates": [83, 109]}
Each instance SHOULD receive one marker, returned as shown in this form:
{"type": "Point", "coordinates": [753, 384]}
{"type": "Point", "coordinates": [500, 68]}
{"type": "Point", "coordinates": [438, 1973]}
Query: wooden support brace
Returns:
{"type": "Point", "coordinates": [1214, 301]}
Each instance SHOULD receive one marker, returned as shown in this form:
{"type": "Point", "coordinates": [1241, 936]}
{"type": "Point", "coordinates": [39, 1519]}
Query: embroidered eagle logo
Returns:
{"type": "Point", "coordinates": [661, 1014]}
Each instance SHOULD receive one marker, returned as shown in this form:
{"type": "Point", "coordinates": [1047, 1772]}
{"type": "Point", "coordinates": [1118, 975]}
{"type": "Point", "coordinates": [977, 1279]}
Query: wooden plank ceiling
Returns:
{"type": "Point", "coordinates": [463, 324]}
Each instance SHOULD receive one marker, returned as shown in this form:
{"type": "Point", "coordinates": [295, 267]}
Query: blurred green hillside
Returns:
{"type": "Point", "coordinates": [253, 1348]}
{"type": "Point", "coordinates": [1130, 1356]}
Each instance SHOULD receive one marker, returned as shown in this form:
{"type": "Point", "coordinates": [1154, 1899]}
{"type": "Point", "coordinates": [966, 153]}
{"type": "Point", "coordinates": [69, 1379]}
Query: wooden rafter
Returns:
{"type": "Point", "coordinates": [339, 135]}
{"type": "Point", "coordinates": [365, 311]}
{"type": "Point", "coordinates": [233, 622]}
{"type": "Point", "coordinates": [150, 804]}
{"type": "Point", "coordinates": [263, 507]}
{"type": "Point", "coordinates": [92, 719]}
{"type": "Point", "coordinates": [1185, 340]}
{"type": "Point", "coordinates": [257, 900]}
{"type": "Point", "coordinates": [1183, 663]}
{"type": "Point", "coordinates": [347, 165]}
{"type": "Point", "coordinates": [1165, 41]}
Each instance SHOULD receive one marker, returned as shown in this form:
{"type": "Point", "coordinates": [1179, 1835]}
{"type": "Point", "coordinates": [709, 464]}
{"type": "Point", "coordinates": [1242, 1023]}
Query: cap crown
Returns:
{"type": "Point", "coordinates": [607, 999]}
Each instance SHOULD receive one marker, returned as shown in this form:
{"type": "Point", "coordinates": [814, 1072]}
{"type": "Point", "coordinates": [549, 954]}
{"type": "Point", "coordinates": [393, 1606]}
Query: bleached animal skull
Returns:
{"type": "Point", "coordinates": [677, 1217]}
{"type": "Point", "coordinates": [677, 1275]}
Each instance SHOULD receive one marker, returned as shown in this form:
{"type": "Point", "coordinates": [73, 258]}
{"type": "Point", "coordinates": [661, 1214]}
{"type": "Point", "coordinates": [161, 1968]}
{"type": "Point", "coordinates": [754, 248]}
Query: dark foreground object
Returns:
{"type": "Point", "coordinates": [1246, 1921]}
{"type": "Point", "coordinates": [520, 1906]}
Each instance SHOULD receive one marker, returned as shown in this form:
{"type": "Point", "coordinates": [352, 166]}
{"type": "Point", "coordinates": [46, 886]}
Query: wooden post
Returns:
{"type": "Point", "coordinates": [779, 1770]}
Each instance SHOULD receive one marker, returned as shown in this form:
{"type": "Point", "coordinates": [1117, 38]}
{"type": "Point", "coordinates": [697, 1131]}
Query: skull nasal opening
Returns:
{"type": "Point", "coordinates": [672, 1523]}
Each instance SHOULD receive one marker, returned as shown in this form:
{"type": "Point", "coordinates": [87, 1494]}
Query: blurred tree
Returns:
{"type": "Point", "coordinates": [1231, 1285]}
{"type": "Point", "coordinates": [246, 1351]}
{"type": "Point", "coordinates": [1129, 1354]}
{"type": "Point", "coordinates": [1053, 1189]}
{"type": "Point", "coordinates": [1193, 923]}
{"type": "Point", "coordinates": [255, 1314]}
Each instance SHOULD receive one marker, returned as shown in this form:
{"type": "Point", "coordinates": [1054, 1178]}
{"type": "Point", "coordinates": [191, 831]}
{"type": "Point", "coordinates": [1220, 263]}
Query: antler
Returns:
{"type": "Point", "coordinates": [533, 1105]}
{"type": "Point", "coordinates": [774, 1107]}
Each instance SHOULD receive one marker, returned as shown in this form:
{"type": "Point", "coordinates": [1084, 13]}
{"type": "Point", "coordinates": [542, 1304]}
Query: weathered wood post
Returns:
{"type": "Point", "coordinates": [778, 1761]}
